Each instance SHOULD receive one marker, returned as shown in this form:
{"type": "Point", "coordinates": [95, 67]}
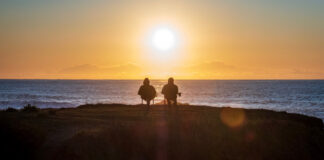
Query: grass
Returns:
{"type": "Point", "coordinates": [119, 131]}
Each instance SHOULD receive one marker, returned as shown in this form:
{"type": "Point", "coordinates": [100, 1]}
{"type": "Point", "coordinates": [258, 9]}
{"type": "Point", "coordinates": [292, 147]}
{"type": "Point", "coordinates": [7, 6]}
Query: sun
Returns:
{"type": "Point", "coordinates": [163, 39]}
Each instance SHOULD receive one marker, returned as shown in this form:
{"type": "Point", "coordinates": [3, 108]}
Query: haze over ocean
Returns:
{"type": "Point", "coordinates": [296, 96]}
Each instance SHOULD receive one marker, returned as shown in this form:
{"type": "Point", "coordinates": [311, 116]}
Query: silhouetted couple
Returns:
{"type": "Point", "coordinates": [170, 92]}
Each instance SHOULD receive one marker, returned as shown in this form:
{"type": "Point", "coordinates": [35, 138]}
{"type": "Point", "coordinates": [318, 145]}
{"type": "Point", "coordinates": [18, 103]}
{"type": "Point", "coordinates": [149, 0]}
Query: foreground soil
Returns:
{"type": "Point", "coordinates": [115, 131]}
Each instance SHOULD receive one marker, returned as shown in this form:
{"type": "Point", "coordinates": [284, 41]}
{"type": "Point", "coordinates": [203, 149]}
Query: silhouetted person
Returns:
{"type": "Point", "coordinates": [147, 92]}
{"type": "Point", "coordinates": [170, 92]}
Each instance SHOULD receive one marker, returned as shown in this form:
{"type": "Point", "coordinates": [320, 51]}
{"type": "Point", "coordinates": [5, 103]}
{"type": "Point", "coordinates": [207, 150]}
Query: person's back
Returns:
{"type": "Point", "coordinates": [146, 91]}
{"type": "Point", "coordinates": [170, 91]}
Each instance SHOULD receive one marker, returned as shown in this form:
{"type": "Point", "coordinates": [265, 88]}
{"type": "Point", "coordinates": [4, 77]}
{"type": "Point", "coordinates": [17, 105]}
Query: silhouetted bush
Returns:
{"type": "Point", "coordinates": [30, 108]}
{"type": "Point", "coordinates": [11, 110]}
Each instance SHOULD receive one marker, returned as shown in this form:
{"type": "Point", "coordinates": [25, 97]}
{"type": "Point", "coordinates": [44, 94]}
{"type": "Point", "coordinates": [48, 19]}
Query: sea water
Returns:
{"type": "Point", "coordinates": [296, 96]}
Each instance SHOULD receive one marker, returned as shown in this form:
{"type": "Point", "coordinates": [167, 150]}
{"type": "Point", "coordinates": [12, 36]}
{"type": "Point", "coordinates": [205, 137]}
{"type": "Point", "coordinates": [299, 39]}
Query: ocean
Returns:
{"type": "Point", "coordinates": [295, 96]}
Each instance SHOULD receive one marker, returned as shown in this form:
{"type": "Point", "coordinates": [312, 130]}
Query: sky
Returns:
{"type": "Point", "coordinates": [97, 39]}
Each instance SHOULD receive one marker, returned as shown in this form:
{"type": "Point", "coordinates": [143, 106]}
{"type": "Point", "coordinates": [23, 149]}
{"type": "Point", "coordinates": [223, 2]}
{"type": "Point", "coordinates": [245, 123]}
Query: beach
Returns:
{"type": "Point", "coordinates": [117, 131]}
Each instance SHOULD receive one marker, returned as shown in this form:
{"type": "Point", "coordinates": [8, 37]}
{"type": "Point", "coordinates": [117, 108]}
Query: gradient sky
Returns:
{"type": "Point", "coordinates": [97, 39]}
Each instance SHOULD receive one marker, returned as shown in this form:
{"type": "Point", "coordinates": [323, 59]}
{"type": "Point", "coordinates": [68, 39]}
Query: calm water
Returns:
{"type": "Point", "coordinates": [306, 97]}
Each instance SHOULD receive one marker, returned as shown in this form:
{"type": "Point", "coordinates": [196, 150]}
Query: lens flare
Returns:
{"type": "Point", "coordinates": [232, 117]}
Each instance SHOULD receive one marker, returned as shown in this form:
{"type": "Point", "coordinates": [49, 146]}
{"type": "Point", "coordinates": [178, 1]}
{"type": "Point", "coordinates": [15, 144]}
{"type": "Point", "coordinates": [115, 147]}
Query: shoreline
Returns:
{"type": "Point", "coordinates": [160, 104]}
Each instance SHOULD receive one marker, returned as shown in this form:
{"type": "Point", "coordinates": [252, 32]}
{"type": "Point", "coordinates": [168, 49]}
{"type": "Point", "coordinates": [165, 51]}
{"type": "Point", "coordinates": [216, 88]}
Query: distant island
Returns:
{"type": "Point", "coordinates": [117, 131]}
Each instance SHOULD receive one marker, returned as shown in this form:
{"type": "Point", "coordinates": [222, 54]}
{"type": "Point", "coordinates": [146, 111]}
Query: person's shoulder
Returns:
{"type": "Point", "coordinates": [151, 86]}
{"type": "Point", "coordinates": [164, 87]}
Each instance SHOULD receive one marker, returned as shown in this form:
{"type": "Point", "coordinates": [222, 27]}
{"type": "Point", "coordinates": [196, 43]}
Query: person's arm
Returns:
{"type": "Point", "coordinates": [163, 90]}
{"type": "Point", "coordinates": [154, 91]}
{"type": "Point", "coordinates": [140, 90]}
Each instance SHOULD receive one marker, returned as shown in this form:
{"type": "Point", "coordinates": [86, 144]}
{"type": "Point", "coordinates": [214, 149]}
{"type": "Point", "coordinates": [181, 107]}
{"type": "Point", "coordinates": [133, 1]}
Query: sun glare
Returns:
{"type": "Point", "coordinates": [163, 39]}
{"type": "Point", "coordinates": [162, 44]}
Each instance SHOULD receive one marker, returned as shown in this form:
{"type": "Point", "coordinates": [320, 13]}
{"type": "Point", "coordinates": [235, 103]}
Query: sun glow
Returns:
{"type": "Point", "coordinates": [163, 39]}
{"type": "Point", "coordinates": [162, 48]}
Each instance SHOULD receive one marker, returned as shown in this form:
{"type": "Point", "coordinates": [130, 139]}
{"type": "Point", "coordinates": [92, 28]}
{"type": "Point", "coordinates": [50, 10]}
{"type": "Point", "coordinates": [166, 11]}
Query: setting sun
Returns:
{"type": "Point", "coordinates": [163, 39]}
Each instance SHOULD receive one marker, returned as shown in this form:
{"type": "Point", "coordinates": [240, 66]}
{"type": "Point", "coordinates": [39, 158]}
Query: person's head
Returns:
{"type": "Point", "coordinates": [146, 81]}
{"type": "Point", "coordinates": [170, 80]}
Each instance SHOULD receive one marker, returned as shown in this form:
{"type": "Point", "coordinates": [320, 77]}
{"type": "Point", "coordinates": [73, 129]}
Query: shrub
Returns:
{"type": "Point", "coordinates": [30, 108]}
{"type": "Point", "coordinates": [11, 110]}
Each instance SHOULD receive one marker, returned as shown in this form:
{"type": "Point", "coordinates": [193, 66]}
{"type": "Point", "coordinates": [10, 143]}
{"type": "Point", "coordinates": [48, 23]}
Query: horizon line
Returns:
{"type": "Point", "coordinates": [139, 79]}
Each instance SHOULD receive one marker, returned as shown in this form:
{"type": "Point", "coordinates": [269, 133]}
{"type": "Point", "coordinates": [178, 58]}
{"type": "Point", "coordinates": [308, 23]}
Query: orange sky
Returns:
{"type": "Point", "coordinates": [108, 40]}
